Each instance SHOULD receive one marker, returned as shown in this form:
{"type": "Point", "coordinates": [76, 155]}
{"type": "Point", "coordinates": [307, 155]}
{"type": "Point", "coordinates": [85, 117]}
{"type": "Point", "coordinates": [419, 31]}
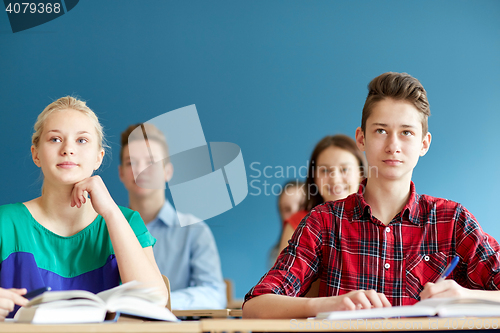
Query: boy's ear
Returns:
{"type": "Point", "coordinates": [360, 139]}
{"type": "Point", "coordinates": [34, 155]}
{"type": "Point", "coordinates": [426, 143]}
{"type": "Point", "coordinates": [169, 171]}
{"type": "Point", "coordinates": [120, 172]}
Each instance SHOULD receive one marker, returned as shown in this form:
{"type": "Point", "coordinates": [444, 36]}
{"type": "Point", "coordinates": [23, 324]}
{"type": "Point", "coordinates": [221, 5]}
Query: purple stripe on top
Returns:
{"type": "Point", "coordinates": [19, 270]}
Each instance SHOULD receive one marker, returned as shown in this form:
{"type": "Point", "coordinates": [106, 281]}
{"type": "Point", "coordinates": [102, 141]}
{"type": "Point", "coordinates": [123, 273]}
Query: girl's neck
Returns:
{"type": "Point", "coordinates": [147, 206]}
{"type": "Point", "coordinates": [53, 210]}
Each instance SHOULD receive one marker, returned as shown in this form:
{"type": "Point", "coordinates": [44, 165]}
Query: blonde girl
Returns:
{"type": "Point", "coordinates": [73, 236]}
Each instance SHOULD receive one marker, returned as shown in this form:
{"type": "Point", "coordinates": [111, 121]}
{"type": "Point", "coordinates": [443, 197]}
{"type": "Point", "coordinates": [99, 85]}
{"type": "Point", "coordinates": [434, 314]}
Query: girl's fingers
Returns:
{"type": "Point", "coordinates": [73, 195]}
{"type": "Point", "coordinates": [7, 305]}
{"type": "Point", "coordinates": [20, 291]}
{"type": "Point", "coordinates": [78, 195]}
{"type": "Point", "coordinates": [20, 300]}
{"type": "Point", "coordinates": [3, 314]}
{"type": "Point", "coordinates": [15, 296]}
{"type": "Point", "coordinates": [8, 298]}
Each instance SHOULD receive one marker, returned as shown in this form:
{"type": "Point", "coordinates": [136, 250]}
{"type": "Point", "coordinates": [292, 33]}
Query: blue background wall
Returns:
{"type": "Point", "coordinates": [271, 76]}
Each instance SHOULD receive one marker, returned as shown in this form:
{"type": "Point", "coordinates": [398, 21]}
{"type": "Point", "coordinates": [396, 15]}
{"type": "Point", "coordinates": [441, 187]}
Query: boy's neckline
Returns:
{"type": "Point", "coordinates": [384, 203]}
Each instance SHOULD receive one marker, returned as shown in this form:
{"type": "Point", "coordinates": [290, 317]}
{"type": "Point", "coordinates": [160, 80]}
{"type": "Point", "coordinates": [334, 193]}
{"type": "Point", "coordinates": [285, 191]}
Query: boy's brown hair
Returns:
{"type": "Point", "coordinates": [400, 87]}
{"type": "Point", "coordinates": [150, 131]}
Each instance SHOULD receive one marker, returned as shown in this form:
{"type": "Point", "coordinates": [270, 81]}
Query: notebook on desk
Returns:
{"type": "Point", "coordinates": [442, 307]}
{"type": "Point", "coordinates": [80, 306]}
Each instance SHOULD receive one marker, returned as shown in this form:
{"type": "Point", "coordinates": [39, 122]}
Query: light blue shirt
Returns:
{"type": "Point", "coordinates": [189, 258]}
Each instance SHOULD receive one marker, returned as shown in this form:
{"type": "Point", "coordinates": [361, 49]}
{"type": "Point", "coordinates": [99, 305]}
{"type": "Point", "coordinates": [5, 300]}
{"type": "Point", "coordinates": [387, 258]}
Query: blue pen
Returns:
{"type": "Point", "coordinates": [36, 292]}
{"type": "Point", "coordinates": [449, 269]}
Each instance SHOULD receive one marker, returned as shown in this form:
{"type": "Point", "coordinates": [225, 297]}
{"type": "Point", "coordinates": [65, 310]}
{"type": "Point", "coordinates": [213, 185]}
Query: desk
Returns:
{"type": "Point", "coordinates": [361, 325]}
{"type": "Point", "coordinates": [222, 313]}
{"type": "Point", "coordinates": [127, 327]}
{"type": "Point", "coordinates": [433, 324]}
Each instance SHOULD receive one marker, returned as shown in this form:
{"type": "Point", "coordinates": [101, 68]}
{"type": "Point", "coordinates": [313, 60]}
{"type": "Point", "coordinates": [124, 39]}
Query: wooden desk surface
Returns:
{"type": "Point", "coordinates": [223, 313]}
{"type": "Point", "coordinates": [361, 325]}
{"type": "Point", "coordinates": [269, 325]}
{"type": "Point", "coordinates": [127, 327]}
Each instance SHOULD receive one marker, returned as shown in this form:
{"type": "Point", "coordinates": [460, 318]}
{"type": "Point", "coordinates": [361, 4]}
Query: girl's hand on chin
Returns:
{"type": "Point", "coordinates": [99, 196]}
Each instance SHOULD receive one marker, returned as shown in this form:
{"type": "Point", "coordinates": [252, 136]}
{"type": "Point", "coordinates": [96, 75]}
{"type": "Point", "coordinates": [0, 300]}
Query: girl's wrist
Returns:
{"type": "Point", "coordinates": [112, 214]}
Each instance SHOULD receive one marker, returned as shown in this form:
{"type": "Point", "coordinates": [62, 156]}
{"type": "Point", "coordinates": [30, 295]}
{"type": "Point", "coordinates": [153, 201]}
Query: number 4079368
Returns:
{"type": "Point", "coordinates": [32, 8]}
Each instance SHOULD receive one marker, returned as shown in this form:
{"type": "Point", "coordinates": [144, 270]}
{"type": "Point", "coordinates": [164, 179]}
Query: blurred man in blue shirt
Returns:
{"type": "Point", "coordinates": [187, 255]}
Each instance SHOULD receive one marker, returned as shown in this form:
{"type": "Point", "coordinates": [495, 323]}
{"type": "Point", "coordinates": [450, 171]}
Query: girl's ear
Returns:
{"type": "Point", "coordinates": [100, 157]}
{"type": "Point", "coordinates": [34, 155]}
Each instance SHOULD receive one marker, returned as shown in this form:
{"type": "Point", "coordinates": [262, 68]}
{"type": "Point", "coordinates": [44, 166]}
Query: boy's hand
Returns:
{"type": "Point", "coordinates": [354, 300]}
{"type": "Point", "coordinates": [446, 288]}
{"type": "Point", "coordinates": [9, 298]}
{"type": "Point", "coordinates": [99, 196]}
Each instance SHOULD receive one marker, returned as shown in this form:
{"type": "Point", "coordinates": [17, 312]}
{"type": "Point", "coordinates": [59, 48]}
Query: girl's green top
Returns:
{"type": "Point", "coordinates": [32, 256]}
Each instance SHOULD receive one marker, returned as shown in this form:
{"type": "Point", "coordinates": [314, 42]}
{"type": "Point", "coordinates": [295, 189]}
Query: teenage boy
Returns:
{"type": "Point", "coordinates": [187, 255]}
{"type": "Point", "coordinates": [385, 245]}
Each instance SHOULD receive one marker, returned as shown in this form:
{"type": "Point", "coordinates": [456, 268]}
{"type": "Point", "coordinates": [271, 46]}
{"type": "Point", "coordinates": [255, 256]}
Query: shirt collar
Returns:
{"type": "Point", "coordinates": [410, 211]}
{"type": "Point", "coordinates": [168, 215]}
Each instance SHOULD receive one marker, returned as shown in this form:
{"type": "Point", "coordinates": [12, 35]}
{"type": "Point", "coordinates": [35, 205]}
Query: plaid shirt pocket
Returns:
{"type": "Point", "coordinates": [423, 268]}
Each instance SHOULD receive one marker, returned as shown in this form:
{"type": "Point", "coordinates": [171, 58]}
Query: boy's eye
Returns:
{"type": "Point", "coordinates": [380, 131]}
{"type": "Point", "coordinates": [407, 133]}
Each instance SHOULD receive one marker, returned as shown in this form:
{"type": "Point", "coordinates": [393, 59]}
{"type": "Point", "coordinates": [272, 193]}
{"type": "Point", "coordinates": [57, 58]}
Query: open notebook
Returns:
{"type": "Point", "coordinates": [443, 307]}
{"type": "Point", "coordinates": [80, 306]}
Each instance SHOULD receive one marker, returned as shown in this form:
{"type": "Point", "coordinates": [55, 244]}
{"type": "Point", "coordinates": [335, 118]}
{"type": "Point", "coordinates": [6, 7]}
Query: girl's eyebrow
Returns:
{"type": "Point", "coordinates": [334, 166]}
{"type": "Point", "coordinates": [79, 132]}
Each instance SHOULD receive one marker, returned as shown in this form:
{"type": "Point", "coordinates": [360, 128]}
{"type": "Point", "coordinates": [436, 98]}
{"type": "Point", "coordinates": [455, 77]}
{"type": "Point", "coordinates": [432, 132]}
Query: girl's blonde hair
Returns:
{"type": "Point", "coordinates": [72, 103]}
